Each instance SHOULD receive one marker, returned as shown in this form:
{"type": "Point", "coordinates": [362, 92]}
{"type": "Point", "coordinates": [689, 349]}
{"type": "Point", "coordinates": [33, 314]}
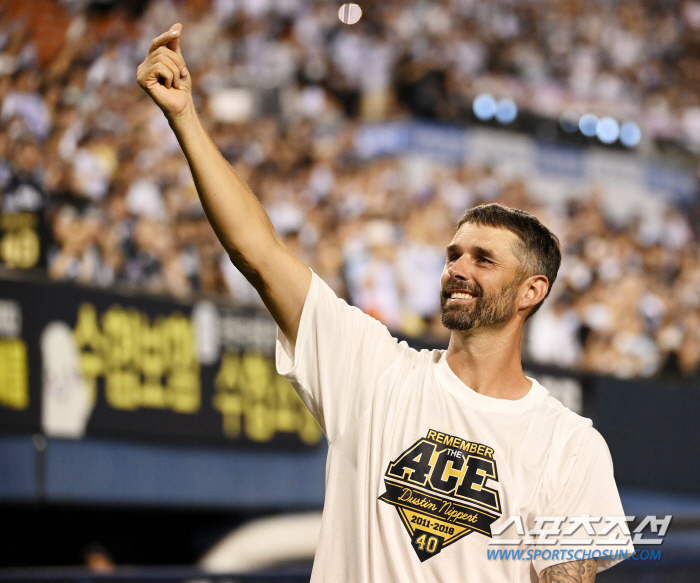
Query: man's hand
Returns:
{"type": "Point", "coordinates": [573, 572]}
{"type": "Point", "coordinates": [164, 76]}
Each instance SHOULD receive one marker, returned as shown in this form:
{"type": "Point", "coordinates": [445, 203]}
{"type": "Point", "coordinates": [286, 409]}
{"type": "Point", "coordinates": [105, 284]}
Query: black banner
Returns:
{"type": "Point", "coordinates": [78, 361]}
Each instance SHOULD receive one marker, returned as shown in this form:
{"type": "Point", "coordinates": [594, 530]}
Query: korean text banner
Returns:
{"type": "Point", "coordinates": [77, 361]}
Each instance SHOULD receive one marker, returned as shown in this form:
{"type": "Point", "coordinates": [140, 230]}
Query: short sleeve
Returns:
{"type": "Point", "coordinates": [339, 356]}
{"type": "Point", "coordinates": [588, 490]}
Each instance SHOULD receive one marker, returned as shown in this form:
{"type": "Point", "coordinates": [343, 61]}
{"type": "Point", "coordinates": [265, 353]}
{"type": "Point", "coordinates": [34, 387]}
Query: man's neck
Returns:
{"type": "Point", "coordinates": [487, 361]}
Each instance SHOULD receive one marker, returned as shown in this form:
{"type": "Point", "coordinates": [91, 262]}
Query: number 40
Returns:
{"type": "Point", "coordinates": [428, 546]}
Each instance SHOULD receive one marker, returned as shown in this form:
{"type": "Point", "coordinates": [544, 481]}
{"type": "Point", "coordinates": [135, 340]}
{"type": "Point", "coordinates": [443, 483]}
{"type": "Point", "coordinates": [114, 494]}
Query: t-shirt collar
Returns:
{"type": "Point", "coordinates": [450, 381]}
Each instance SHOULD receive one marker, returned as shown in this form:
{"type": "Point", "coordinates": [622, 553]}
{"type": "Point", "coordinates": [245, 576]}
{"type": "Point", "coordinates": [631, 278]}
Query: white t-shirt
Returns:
{"type": "Point", "coordinates": [421, 469]}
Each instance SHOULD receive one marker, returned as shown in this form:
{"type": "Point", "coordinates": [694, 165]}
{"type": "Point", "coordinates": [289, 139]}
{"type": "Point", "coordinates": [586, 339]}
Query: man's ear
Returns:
{"type": "Point", "coordinates": [533, 291]}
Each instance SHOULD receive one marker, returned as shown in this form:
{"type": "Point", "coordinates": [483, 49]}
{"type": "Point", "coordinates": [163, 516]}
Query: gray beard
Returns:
{"type": "Point", "coordinates": [486, 311]}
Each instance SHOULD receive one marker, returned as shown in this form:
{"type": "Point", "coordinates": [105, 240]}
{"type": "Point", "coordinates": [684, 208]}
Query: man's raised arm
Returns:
{"type": "Point", "coordinates": [238, 218]}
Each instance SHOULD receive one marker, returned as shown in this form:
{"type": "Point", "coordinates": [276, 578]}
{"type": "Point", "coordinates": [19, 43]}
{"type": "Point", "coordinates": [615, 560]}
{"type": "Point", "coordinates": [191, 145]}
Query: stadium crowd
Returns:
{"type": "Point", "coordinates": [84, 150]}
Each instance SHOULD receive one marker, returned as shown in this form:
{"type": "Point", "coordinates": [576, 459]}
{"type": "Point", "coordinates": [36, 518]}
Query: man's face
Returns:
{"type": "Point", "coordinates": [480, 281]}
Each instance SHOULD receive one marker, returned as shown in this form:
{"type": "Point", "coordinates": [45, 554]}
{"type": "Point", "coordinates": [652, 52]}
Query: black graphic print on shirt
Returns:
{"type": "Point", "coordinates": [440, 489]}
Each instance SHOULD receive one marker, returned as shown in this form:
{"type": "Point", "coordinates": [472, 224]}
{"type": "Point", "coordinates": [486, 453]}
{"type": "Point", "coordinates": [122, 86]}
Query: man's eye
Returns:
{"type": "Point", "coordinates": [484, 260]}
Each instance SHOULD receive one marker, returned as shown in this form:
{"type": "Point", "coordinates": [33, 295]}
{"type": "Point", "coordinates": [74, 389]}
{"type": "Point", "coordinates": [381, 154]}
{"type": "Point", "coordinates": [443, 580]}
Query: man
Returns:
{"type": "Point", "coordinates": [430, 452]}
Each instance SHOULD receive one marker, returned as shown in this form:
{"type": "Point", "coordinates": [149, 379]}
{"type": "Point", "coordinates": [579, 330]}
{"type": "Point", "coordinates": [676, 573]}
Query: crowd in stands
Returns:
{"type": "Point", "coordinates": [83, 149]}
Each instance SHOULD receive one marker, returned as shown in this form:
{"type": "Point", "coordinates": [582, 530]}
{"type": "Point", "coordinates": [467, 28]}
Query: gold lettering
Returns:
{"type": "Point", "coordinates": [251, 396]}
{"type": "Point", "coordinates": [123, 390]}
{"type": "Point", "coordinates": [407, 495]}
{"type": "Point", "coordinates": [17, 221]}
{"type": "Point", "coordinates": [155, 365]}
{"type": "Point", "coordinates": [143, 365]}
{"type": "Point", "coordinates": [14, 385]}
{"type": "Point", "coordinates": [20, 248]}
{"type": "Point", "coordinates": [88, 338]}
{"type": "Point", "coordinates": [454, 515]}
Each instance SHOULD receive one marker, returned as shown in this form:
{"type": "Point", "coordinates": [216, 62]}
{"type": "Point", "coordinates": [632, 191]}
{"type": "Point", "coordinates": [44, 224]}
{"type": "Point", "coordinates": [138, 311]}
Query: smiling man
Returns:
{"type": "Point", "coordinates": [432, 454]}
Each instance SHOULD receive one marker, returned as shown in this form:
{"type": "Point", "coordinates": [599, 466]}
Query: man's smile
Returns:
{"type": "Point", "coordinates": [460, 297]}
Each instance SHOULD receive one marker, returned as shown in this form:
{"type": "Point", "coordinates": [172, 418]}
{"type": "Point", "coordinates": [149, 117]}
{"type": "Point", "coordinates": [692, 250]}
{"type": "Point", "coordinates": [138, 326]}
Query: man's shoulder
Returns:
{"type": "Point", "coordinates": [417, 358]}
{"type": "Point", "coordinates": [573, 436]}
{"type": "Point", "coordinates": [565, 417]}
{"type": "Point", "coordinates": [570, 431]}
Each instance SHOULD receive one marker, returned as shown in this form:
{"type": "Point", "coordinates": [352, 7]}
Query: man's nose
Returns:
{"type": "Point", "coordinates": [459, 270]}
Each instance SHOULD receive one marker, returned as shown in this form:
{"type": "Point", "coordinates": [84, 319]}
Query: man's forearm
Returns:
{"type": "Point", "coordinates": [572, 572]}
{"type": "Point", "coordinates": [243, 227]}
{"type": "Point", "coordinates": [238, 218]}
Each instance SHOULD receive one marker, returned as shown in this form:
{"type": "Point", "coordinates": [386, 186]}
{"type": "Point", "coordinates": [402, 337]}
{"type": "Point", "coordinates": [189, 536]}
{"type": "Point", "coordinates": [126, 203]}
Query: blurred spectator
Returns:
{"type": "Point", "coordinates": [553, 336]}
{"type": "Point", "coordinates": [98, 560]}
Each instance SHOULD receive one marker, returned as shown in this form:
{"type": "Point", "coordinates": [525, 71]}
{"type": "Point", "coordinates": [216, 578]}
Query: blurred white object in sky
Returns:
{"type": "Point", "coordinates": [350, 13]}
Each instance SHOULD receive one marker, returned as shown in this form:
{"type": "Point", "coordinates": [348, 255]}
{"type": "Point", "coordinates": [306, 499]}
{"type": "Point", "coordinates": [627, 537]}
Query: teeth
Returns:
{"type": "Point", "coordinates": [462, 295]}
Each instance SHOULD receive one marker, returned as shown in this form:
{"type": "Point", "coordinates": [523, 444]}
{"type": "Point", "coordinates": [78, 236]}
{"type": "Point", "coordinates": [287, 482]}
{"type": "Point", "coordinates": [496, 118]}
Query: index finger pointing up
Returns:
{"type": "Point", "coordinates": [170, 39]}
